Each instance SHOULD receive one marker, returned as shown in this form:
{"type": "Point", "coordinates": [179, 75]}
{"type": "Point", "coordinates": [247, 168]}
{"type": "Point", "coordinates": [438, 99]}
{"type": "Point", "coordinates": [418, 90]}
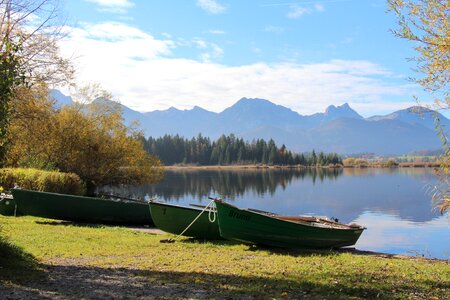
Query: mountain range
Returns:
{"type": "Point", "coordinates": [339, 129]}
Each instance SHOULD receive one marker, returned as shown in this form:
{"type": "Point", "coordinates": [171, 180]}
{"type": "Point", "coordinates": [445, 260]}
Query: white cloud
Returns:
{"type": "Point", "coordinates": [211, 6]}
{"type": "Point", "coordinates": [140, 70]}
{"type": "Point", "coordinates": [215, 53]}
{"type": "Point", "coordinates": [114, 6]}
{"type": "Point", "coordinates": [209, 51]}
{"type": "Point", "coordinates": [296, 11]}
{"type": "Point", "coordinates": [217, 31]}
{"type": "Point", "coordinates": [319, 7]}
{"type": "Point", "coordinates": [274, 29]}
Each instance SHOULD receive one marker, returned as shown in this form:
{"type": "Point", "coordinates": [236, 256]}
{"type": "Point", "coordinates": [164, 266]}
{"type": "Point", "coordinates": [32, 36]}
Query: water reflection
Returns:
{"type": "Point", "coordinates": [228, 184]}
{"type": "Point", "coordinates": [344, 193]}
{"type": "Point", "coordinates": [389, 234]}
{"type": "Point", "coordinates": [392, 203]}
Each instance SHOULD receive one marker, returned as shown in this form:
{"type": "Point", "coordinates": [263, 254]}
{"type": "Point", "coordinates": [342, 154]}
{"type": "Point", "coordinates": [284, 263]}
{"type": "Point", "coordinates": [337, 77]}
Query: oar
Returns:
{"type": "Point", "coordinates": [262, 211]}
{"type": "Point", "coordinates": [197, 205]}
{"type": "Point", "coordinates": [122, 198]}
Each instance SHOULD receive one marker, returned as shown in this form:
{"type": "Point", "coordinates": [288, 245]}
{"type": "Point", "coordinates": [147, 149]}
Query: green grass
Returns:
{"type": "Point", "coordinates": [224, 268]}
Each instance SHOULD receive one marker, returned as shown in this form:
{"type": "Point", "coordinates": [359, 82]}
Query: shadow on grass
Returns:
{"type": "Point", "coordinates": [91, 225]}
{"type": "Point", "coordinates": [111, 283]}
{"type": "Point", "coordinates": [15, 263]}
{"type": "Point", "coordinates": [206, 241]}
{"type": "Point", "coordinates": [288, 251]}
{"type": "Point", "coordinates": [69, 223]}
{"type": "Point", "coordinates": [316, 252]}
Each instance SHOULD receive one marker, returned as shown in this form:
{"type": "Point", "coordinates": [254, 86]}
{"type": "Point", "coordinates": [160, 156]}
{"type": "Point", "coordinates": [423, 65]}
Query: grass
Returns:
{"type": "Point", "coordinates": [224, 269]}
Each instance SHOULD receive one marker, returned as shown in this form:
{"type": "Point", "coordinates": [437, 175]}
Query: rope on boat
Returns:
{"type": "Point", "coordinates": [212, 212]}
{"type": "Point", "coordinates": [211, 218]}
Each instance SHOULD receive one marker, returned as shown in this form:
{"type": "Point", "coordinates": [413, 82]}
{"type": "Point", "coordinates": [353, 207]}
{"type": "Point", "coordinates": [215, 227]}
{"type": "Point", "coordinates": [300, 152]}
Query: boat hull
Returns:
{"type": "Point", "coordinates": [81, 209]}
{"type": "Point", "coordinates": [7, 207]}
{"type": "Point", "coordinates": [175, 219]}
{"type": "Point", "coordinates": [250, 227]}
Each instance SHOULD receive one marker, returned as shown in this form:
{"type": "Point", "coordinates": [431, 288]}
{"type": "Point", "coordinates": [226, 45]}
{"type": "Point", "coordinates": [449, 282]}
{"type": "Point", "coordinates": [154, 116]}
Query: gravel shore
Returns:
{"type": "Point", "coordinates": [69, 281]}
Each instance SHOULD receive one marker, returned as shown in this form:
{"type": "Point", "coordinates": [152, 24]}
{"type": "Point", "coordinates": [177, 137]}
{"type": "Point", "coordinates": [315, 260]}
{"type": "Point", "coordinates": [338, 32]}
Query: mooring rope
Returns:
{"type": "Point", "coordinates": [212, 211]}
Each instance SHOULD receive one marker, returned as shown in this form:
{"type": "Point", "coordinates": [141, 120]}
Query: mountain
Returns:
{"type": "Point", "coordinates": [59, 98]}
{"type": "Point", "coordinates": [187, 123]}
{"type": "Point", "coordinates": [415, 115]}
{"type": "Point", "coordinates": [332, 113]}
{"type": "Point", "coordinates": [346, 135]}
{"type": "Point", "coordinates": [250, 114]}
{"type": "Point", "coordinates": [339, 129]}
{"type": "Point", "coordinates": [343, 111]}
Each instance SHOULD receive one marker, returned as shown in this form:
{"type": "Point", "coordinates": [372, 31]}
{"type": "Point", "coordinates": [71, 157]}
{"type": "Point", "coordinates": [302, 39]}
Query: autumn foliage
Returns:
{"type": "Point", "coordinates": [90, 140]}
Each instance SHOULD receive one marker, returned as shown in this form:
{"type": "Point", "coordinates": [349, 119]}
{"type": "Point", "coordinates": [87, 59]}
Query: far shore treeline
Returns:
{"type": "Point", "coordinates": [230, 150]}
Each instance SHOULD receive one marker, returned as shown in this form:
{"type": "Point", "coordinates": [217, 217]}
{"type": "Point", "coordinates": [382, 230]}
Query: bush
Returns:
{"type": "Point", "coordinates": [361, 163]}
{"type": "Point", "coordinates": [349, 162]}
{"type": "Point", "coordinates": [39, 180]}
{"type": "Point", "coordinates": [389, 164]}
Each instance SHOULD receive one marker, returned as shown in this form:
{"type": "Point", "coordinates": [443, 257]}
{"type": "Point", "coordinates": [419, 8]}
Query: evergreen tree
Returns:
{"type": "Point", "coordinates": [230, 150]}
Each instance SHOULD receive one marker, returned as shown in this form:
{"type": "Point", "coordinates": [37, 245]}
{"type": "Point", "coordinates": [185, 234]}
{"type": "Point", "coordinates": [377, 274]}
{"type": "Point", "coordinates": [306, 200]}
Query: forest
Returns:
{"type": "Point", "coordinates": [231, 150]}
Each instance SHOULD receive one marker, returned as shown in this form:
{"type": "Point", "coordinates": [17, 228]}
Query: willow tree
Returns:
{"type": "Point", "coordinates": [29, 31]}
{"type": "Point", "coordinates": [426, 23]}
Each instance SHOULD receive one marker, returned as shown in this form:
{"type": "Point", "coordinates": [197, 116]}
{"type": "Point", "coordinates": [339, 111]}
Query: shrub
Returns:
{"type": "Point", "coordinates": [39, 180]}
{"type": "Point", "coordinates": [361, 163]}
{"type": "Point", "coordinates": [349, 162]}
{"type": "Point", "coordinates": [389, 164]}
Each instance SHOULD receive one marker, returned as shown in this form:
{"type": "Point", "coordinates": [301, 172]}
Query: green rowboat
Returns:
{"type": "Point", "coordinates": [7, 205]}
{"type": "Point", "coordinates": [81, 209]}
{"type": "Point", "coordinates": [175, 219]}
{"type": "Point", "coordinates": [257, 227]}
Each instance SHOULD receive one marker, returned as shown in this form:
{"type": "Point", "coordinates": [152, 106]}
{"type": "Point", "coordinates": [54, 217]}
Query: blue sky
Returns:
{"type": "Point", "coordinates": [304, 55]}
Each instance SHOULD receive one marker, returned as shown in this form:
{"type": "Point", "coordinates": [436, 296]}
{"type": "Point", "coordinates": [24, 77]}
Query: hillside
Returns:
{"type": "Point", "coordinates": [339, 129]}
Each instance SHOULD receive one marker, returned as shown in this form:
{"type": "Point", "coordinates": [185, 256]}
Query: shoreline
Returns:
{"type": "Point", "coordinates": [109, 262]}
{"type": "Point", "coordinates": [295, 167]}
{"type": "Point", "coordinates": [351, 250]}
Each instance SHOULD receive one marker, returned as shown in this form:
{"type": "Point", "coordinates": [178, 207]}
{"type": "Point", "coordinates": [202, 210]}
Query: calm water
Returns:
{"type": "Point", "coordinates": [394, 204]}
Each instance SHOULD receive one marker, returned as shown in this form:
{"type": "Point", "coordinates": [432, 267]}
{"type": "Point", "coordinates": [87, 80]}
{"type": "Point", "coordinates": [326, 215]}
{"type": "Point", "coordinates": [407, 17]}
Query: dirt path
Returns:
{"type": "Point", "coordinates": [82, 282]}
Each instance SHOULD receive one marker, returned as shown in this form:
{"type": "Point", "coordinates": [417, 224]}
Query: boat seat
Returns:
{"type": "Point", "coordinates": [298, 218]}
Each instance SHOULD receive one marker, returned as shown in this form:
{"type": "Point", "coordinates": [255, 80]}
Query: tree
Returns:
{"type": "Point", "coordinates": [29, 54]}
{"type": "Point", "coordinates": [89, 140]}
{"type": "Point", "coordinates": [427, 24]}
{"type": "Point", "coordinates": [31, 129]}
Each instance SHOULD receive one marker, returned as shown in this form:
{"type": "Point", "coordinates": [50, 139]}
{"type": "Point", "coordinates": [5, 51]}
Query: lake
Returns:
{"type": "Point", "coordinates": [394, 204]}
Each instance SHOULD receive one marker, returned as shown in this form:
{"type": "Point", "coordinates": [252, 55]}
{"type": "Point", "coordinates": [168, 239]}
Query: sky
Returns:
{"type": "Point", "coordinates": [304, 55]}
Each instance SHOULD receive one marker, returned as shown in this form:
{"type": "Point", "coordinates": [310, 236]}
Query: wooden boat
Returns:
{"type": "Point", "coordinates": [82, 209]}
{"type": "Point", "coordinates": [258, 227]}
{"type": "Point", "coordinates": [175, 219]}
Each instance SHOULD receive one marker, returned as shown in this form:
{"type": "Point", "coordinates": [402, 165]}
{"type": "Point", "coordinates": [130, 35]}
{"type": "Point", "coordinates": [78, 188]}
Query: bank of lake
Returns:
{"type": "Point", "coordinates": [43, 258]}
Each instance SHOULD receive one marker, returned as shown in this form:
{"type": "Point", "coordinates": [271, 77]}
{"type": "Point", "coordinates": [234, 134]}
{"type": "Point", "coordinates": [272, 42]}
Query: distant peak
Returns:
{"type": "Point", "coordinates": [418, 109]}
{"type": "Point", "coordinates": [343, 110]}
{"type": "Point", "coordinates": [330, 109]}
{"type": "Point", "coordinates": [172, 109]}
{"type": "Point", "coordinates": [198, 109]}
{"type": "Point", "coordinates": [248, 100]}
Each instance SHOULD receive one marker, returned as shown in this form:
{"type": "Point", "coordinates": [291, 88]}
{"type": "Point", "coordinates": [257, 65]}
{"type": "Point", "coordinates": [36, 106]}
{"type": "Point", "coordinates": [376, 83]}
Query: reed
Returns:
{"type": "Point", "coordinates": [40, 180]}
